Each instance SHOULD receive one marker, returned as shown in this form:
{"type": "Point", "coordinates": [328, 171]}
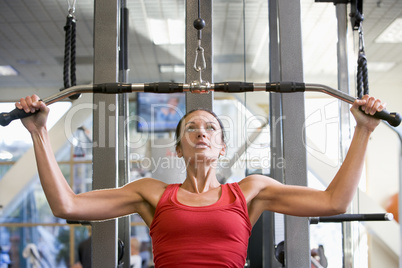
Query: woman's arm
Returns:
{"type": "Point", "coordinates": [267, 194]}
{"type": "Point", "coordinates": [94, 205]}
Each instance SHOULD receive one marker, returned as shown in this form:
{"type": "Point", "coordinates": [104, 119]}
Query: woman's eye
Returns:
{"type": "Point", "coordinates": [207, 128]}
{"type": "Point", "coordinates": [210, 128]}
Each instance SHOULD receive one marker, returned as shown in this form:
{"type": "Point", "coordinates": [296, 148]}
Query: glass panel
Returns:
{"type": "Point", "coordinates": [322, 144]}
{"type": "Point", "coordinates": [322, 130]}
{"type": "Point", "coordinates": [83, 149]}
{"type": "Point", "coordinates": [31, 206]}
{"type": "Point", "coordinates": [42, 209]}
{"type": "Point", "coordinates": [82, 142]}
{"type": "Point", "coordinates": [63, 240]}
{"type": "Point", "coordinates": [138, 143]}
{"type": "Point", "coordinates": [82, 178]}
{"type": "Point", "coordinates": [81, 236]}
{"type": "Point", "coordinates": [241, 54]}
{"type": "Point", "coordinates": [48, 245]}
{"type": "Point", "coordinates": [322, 123]}
{"type": "Point", "coordinates": [64, 154]}
{"type": "Point", "coordinates": [326, 243]}
{"type": "Point", "coordinates": [140, 232]}
{"type": "Point", "coordinates": [66, 170]}
{"type": "Point", "coordinates": [15, 139]}
{"type": "Point", "coordinates": [4, 169]}
{"type": "Point", "coordinates": [325, 238]}
{"type": "Point", "coordinates": [159, 38]}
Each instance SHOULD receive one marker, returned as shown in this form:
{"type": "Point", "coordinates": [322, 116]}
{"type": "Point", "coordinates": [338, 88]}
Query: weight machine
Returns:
{"type": "Point", "coordinates": [286, 65]}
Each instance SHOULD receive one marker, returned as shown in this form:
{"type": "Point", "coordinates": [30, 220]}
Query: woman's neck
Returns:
{"type": "Point", "coordinates": [201, 179]}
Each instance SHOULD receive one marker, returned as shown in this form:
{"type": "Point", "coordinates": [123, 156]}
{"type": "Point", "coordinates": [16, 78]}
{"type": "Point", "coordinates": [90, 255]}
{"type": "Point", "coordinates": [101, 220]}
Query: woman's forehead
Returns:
{"type": "Point", "coordinates": [201, 116]}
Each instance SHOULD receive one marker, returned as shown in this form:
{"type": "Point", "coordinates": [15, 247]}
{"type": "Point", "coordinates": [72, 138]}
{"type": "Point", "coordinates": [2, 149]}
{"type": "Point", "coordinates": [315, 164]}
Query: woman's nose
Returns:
{"type": "Point", "coordinates": [201, 132]}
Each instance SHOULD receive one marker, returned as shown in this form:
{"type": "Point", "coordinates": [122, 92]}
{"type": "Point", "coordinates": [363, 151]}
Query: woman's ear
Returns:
{"type": "Point", "coordinates": [223, 150]}
{"type": "Point", "coordinates": [179, 151]}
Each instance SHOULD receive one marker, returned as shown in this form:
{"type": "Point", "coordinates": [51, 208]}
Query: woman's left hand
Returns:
{"type": "Point", "coordinates": [370, 106]}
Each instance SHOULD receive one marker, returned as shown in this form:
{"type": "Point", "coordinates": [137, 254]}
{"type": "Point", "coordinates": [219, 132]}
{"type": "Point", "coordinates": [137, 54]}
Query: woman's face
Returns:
{"type": "Point", "coordinates": [201, 137]}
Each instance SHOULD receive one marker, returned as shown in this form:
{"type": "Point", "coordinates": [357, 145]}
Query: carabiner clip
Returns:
{"type": "Point", "coordinates": [204, 64]}
{"type": "Point", "coordinates": [361, 40]}
{"type": "Point", "coordinates": [71, 7]}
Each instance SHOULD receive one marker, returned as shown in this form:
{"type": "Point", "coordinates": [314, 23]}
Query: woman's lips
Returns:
{"type": "Point", "coordinates": [201, 145]}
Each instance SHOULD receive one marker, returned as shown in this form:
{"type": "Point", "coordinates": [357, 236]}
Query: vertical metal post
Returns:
{"type": "Point", "coordinates": [106, 32]}
{"type": "Point", "coordinates": [398, 131]}
{"type": "Point", "coordinates": [343, 75]}
{"type": "Point", "coordinates": [194, 101]}
{"type": "Point", "coordinates": [297, 246]}
{"type": "Point", "coordinates": [344, 121]}
{"type": "Point", "coordinates": [275, 117]}
{"type": "Point", "coordinates": [124, 230]}
{"type": "Point", "coordinates": [400, 198]}
{"type": "Point", "coordinates": [261, 249]}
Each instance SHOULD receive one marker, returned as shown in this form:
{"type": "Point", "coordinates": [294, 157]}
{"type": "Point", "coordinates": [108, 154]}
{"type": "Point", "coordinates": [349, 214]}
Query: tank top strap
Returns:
{"type": "Point", "coordinates": [166, 196]}
{"type": "Point", "coordinates": [235, 188]}
{"type": "Point", "coordinates": [227, 196]}
{"type": "Point", "coordinates": [169, 191]}
{"type": "Point", "coordinates": [163, 202]}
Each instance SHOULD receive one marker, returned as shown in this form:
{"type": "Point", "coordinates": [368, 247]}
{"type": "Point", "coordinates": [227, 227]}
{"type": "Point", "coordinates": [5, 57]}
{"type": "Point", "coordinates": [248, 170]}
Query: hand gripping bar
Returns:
{"type": "Point", "coordinates": [394, 119]}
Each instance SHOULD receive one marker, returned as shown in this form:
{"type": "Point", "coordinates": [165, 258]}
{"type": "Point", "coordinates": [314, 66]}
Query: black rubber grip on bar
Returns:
{"type": "Point", "coordinates": [163, 87]}
{"type": "Point", "coordinates": [352, 217]}
{"type": "Point", "coordinates": [78, 222]}
{"type": "Point", "coordinates": [233, 87]}
{"type": "Point", "coordinates": [394, 119]}
{"type": "Point", "coordinates": [6, 118]}
{"type": "Point", "coordinates": [285, 87]}
{"type": "Point", "coordinates": [112, 88]}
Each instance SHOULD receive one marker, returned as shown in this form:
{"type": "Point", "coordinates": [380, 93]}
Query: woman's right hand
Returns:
{"type": "Point", "coordinates": [31, 104]}
{"type": "Point", "coordinates": [370, 106]}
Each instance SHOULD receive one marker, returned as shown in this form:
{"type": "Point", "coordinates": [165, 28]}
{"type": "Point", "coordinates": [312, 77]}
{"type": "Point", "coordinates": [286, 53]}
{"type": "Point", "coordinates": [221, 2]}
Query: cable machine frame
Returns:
{"type": "Point", "coordinates": [105, 246]}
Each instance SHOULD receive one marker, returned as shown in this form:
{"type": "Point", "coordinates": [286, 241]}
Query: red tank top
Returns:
{"type": "Point", "coordinates": [208, 236]}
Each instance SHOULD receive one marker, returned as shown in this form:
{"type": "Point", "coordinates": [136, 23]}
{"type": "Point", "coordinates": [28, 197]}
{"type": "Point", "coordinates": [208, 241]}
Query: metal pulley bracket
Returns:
{"type": "Point", "coordinates": [200, 87]}
{"type": "Point", "coordinates": [356, 13]}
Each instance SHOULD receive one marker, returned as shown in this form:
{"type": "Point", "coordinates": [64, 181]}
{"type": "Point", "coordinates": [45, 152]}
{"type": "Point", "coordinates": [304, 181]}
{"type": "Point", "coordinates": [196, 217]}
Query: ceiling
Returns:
{"type": "Point", "coordinates": [32, 41]}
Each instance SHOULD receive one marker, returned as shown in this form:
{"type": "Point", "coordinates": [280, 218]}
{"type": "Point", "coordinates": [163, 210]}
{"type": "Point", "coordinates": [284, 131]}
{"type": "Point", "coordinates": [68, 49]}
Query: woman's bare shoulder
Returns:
{"type": "Point", "coordinates": [148, 185]}
{"type": "Point", "coordinates": [147, 189]}
{"type": "Point", "coordinates": [253, 185]}
{"type": "Point", "coordinates": [257, 181]}
{"type": "Point", "coordinates": [152, 181]}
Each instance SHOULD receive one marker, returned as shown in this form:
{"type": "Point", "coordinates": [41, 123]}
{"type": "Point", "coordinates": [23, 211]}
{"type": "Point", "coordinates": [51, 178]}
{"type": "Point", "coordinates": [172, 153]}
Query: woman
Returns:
{"type": "Point", "coordinates": [199, 222]}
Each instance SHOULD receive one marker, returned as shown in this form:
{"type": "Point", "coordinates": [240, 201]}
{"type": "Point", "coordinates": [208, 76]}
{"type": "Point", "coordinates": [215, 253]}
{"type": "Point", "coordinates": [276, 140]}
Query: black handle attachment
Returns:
{"type": "Point", "coordinates": [394, 119]}
{"type": "Point", "coordinates": [6, 118]}
{"type": "Point", "coordinates": [106, 88]}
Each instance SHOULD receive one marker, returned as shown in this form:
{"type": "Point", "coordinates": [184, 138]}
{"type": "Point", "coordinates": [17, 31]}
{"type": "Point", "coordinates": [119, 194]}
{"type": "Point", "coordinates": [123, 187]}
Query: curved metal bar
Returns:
{"type": "Point", "coordinates": [393, 119]}
{"type": "Point", "coordinates": [68, 92]}
{"type": "Point", "coordinates": [330, 91]}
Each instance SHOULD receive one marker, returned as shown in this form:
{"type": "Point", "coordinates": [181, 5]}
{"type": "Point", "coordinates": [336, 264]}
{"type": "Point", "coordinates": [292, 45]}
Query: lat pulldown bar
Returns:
{"type": "Point", "coordinates": [394, 119]}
